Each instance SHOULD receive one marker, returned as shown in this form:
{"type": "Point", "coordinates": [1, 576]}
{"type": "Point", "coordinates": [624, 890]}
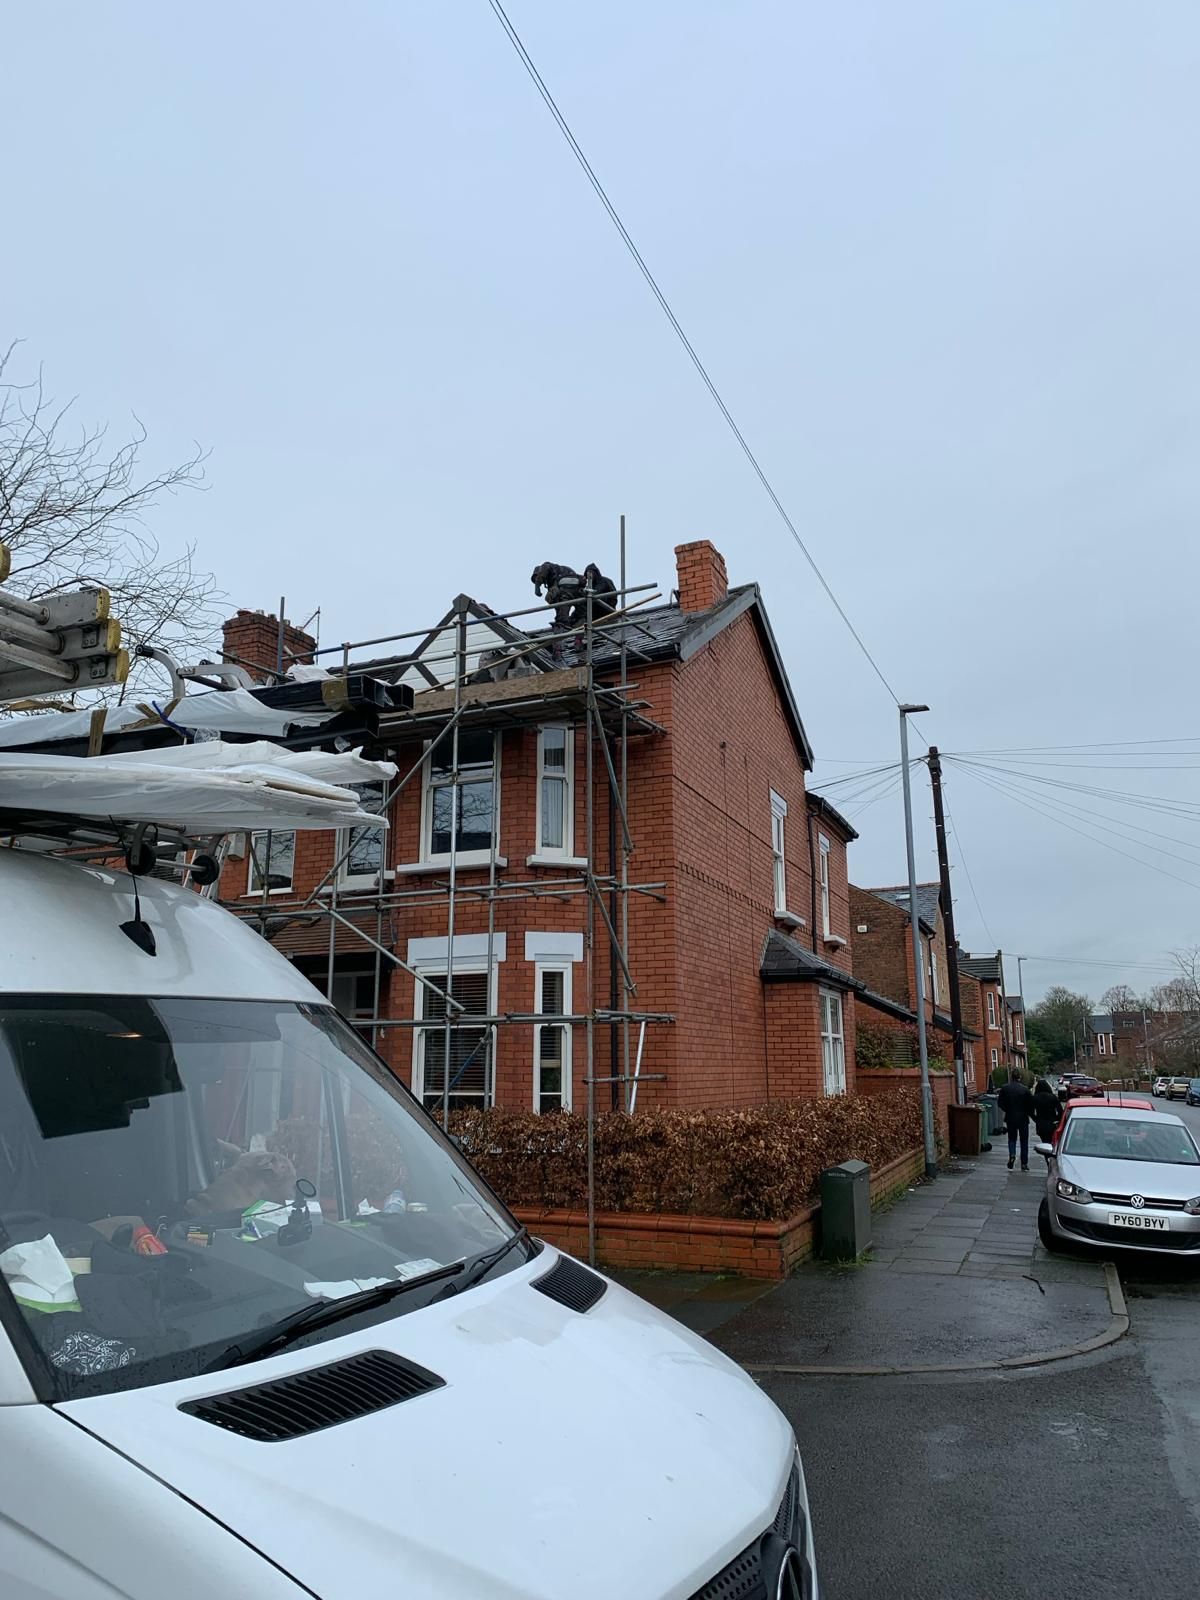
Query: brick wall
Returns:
{"type": "Point", "coordinates": [888, 1079]}
{"type": "Point", "coordinates": [252, 639]}
{"type": "Point", "coordinates": [703, 581]}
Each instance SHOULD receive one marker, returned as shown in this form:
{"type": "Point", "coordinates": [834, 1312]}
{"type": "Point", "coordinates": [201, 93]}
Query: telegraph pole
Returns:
{"type": "Point", "coordinates": [956, 1022]}
{"type": "Point", "coordinates": [914, 922]}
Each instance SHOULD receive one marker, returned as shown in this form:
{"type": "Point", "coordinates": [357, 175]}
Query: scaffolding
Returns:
{"type": "Point", "coordinates": [578, 696]}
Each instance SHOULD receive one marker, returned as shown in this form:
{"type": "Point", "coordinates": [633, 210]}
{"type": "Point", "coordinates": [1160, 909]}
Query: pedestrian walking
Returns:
{"type": "Point", "coordinates": [1047, 1112]}
{"type": "Point", "coordinates": [1016, 1102]}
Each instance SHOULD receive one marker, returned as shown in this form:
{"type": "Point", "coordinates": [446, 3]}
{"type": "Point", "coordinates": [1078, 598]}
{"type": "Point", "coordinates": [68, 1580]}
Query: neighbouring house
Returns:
{"type": "Point", "coordinates": [988, 974]}
{"type": "Point", "coordinates": [739, 922]}
{"type": "Point", "coordinates": [1018, 1050]}
{"type": "Point", "coordinates": [883, 961]}
{"type": "Point", "coordinates": [1099, 1042]}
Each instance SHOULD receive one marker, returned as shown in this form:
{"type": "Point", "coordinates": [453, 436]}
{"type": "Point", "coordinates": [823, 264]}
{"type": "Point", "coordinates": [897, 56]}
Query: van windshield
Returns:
{"type": "Point", "coordinates": [179, 1175]}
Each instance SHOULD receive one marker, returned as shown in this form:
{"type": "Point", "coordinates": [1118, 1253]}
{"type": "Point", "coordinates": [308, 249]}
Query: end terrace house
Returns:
{"type": "Point", "coordinates": [726, 962]}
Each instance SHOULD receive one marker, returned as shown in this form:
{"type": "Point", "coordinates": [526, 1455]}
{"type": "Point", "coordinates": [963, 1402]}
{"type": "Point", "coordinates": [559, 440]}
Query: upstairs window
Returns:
{"type": "Point", "coordinates": [778, 859]}
{"type": "Point", "coordinates": [991, 1005]}
{"type": "Point", "coordinates": [826, 924]}
{"type": "Point", "coordinates": [556, 792]}
{"type": "Point", "coordinates": [1102, 1043]}
{"type": "Point", "coordinates": [273, 858]}
{"type": "Point", "coordinates": [460, 821]}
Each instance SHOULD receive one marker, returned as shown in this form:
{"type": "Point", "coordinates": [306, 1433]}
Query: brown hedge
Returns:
{"type": "Point", "coordinates": [761, 1163]}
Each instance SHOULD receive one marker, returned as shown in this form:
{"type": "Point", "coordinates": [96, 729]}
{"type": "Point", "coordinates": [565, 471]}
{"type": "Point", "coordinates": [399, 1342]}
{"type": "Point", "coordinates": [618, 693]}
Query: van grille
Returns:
{"type": "Point", "coordinates": [571, 1285]}
{"type": "Point", "coordinates": [320, 1398]}
{"type": "Point", "coordinates": [745, 1578]}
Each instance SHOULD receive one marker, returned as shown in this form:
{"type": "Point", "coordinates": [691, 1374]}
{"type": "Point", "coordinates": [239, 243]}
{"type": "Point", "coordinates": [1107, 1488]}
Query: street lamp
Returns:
{"type": "Point", "coordinates": [914, 923]}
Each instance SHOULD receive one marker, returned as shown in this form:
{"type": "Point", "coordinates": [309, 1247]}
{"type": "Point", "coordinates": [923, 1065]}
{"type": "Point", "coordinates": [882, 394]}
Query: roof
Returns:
{"type": "Point", "coordinates": [785, 961]}
{"type": "Point", "coordinates": [986, 968]}
{"type": "Point", "coordinates": [652, 633]}
{"type": "Point", "coordinates": [1101, 1022]}
{"type": "Point", "coordinates": [1014, 1002]}
{"type": "Point", "coordinates": [928, 895]}
{"type": "Point", "coordinates": [1105, 1108]}
{"type": "Point", "coordinates": [818, 804]}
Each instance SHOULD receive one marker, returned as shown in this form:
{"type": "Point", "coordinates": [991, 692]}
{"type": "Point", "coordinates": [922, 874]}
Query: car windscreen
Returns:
{"type": "Point", "coordinates": [1130, 1139]}
{"type": "Point", "coordinates": [178, 1175]}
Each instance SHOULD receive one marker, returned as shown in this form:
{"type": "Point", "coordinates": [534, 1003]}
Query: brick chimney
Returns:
{"type": "Point", "coordinates": [252, 639]}
{"type": "Point", "coordinates": [703, 581]}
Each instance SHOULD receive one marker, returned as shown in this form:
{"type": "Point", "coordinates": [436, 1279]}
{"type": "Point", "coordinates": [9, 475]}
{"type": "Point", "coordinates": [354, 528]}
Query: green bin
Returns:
{"type": "Point", "coordinates": [845, 1211]}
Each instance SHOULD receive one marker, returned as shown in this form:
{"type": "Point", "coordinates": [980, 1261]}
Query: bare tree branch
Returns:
{"type": "Point", "coordinates": [73, 511]}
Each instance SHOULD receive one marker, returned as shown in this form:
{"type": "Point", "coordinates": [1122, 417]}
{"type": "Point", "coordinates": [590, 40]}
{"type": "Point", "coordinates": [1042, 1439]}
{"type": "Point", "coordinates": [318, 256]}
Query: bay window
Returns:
{"type": "Point", "coordinates": [272, 858]}
{"type": "Point", "coordinates": [361, 849]}
{"type": "Point", "coordinates": [472, 1046]}
{"type": "Point", "coordinates": [833, 1043]}
{"type": "Point", "coordinates": [552, 1040]}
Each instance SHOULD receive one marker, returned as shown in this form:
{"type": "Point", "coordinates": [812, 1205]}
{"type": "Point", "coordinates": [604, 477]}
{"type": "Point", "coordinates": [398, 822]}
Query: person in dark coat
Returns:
{"type": "Point", "coordinates": [1046, 1110]}
{"type": "Point", "coordinates": [1016, 1102]}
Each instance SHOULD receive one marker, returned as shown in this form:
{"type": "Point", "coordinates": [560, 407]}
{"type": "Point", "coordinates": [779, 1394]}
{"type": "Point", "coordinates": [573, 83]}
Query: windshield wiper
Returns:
{"type": "Point", "coordinates": [321, 1314]}
{"type": "Point", "coordinates": [483, 1264]}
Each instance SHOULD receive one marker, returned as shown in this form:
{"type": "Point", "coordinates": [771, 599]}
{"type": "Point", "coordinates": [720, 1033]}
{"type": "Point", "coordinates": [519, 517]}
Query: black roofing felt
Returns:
{"type": "Point", "coordinates": [985, 967]}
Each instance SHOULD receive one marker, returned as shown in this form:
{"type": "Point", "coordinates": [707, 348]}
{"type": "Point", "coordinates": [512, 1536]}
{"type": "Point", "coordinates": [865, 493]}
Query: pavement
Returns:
{"type": "Point", "coordinates": [955, 1275]}
{"type": "Point", "coordinates": [1076, 1478]}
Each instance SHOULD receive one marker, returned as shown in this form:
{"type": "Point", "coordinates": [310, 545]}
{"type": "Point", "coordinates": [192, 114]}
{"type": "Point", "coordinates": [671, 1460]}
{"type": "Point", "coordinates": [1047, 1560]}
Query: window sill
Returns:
{"type": "Point", "coordinates": [257, 894]}
{"type": "Point", "coordinates": [469, 859]}
{"type": "Point", "coordinates": [789, 919]}
{"type": "Point", "coordinates": [834, 941]}
{"type": "Point", "coordinates": [578, 862]}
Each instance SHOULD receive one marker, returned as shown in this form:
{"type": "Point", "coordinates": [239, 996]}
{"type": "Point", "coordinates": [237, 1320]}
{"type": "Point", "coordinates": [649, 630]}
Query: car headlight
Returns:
{"type": "Point", "coordinates": [1072, 1191]}
{"type": "Point", "coordinates": [1192, 1207]}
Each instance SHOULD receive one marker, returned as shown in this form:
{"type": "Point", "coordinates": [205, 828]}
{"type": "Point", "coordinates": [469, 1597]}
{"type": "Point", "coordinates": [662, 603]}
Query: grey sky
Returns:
{"type": "Point", "coordinates": [940, 258]}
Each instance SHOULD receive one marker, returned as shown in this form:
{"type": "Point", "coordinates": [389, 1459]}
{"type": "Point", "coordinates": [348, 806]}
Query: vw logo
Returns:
{"type": "Point", "coordinates": [791, 1581]}
{"type": "Point", "coordinates": [1137, 1201]}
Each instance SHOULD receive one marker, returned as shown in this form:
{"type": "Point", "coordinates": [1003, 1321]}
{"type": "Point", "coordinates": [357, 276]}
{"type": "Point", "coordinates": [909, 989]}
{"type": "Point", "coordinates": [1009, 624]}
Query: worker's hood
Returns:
{"type": "Point", "coordinates": [597, 1455]}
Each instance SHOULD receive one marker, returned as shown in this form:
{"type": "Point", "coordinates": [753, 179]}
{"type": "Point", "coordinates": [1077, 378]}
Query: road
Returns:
{"type": "Point", "coordinates": [1076, 1479]}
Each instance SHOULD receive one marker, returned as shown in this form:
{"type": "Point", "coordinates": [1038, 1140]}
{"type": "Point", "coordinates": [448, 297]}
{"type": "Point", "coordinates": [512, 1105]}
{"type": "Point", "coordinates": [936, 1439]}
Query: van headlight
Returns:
{"type": "Point", "coordinates": [1072, 1191]}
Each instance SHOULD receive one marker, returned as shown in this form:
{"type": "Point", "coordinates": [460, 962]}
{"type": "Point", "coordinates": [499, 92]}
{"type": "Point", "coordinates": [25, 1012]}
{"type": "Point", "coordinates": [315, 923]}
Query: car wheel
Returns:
{"type": "Point", "coordinates": [1045, 1233]}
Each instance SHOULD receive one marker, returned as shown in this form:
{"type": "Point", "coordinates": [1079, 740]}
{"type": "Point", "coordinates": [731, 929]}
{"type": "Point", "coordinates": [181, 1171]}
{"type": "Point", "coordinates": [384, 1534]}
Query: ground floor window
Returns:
{"type": "Point", "coordinates": [995, 1060]}
{"type": "Point", "coordinates": [833, 1043]}
{"type": "Point", "coordinates": [552, 1040]}
{"type": "Point", "coordinates": [472, 1045]}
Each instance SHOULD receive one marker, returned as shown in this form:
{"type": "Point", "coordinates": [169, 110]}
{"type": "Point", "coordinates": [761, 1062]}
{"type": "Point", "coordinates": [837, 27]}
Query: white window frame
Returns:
{"type": "Point", "coordinates": [779, 811]}
{"type": "Point", "coordinates": [991, 1008]}
{"type": "Point", "coordinates": [463, 858]}
{"type": "Point", "coordinates": [833, 1041]}
{"type": "Point", "coordinates": [425, 997]}
{"type": "Point", "coordinates": [358, 881]}
{"type": "Point", "coordinates": [995, 1059]}
{"type": "Point", "coordinates": [1102, 1043]}
{"type": "Point", "coordinates": [933, 975]}
{"type": "Point", "coordinates": [253, 886]}
{"type": "Point", "coordinates": [565, 966]}
{"type": "Point", "coordinates": [823, 849]}
{"type": "Point", "coordinates": [566, 850]}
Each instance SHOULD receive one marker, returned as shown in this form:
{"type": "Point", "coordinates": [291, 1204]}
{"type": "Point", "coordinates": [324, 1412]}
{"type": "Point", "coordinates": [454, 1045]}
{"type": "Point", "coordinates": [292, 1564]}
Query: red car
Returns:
{"type": "Point", "coordinates": [1075, 1084]}
{"type": "Point", "coordinates": [1127, 1102]}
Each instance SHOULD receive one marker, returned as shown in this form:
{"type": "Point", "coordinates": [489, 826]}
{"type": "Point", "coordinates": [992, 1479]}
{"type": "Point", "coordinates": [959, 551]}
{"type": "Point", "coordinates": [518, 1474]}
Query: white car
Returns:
{"type": "Point", "coordinates": [265, 1334]}
{"type": "Point", "coordinates": [1160, 1086]}
{"type": "Point", "coordinates": [1125, 1179]}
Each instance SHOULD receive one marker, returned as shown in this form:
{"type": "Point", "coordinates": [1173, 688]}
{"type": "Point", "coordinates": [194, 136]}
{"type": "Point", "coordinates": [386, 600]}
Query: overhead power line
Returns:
{"type": "Point", "coordinates": [627, 239]}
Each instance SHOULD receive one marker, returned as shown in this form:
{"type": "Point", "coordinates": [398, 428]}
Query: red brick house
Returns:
{"type": "Point", "coordinates": [988, 973]}
{"type": "Point", "coordinates": [739, 934]}
{"type": "Point", "coordinates": [883, 960]}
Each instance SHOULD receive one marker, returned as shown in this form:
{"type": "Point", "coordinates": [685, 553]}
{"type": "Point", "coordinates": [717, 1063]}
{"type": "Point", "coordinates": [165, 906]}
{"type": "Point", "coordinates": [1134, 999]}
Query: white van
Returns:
{"type": "Point", "coordinates": [264, 1333]}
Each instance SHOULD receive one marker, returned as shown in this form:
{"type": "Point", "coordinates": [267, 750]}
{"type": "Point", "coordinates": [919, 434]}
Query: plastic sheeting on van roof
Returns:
{"type": "Point", "coordinates": [197, 789]}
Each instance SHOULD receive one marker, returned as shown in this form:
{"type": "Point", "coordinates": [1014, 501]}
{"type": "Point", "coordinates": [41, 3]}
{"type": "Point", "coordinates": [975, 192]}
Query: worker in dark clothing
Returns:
{"type": "Point", "coordinates": [1016, 1102]}
{"type": "Point", "coordinates": [1046, 1110]}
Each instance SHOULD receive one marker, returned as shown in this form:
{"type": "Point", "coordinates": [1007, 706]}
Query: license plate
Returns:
{"type": "Point", "coordinates": [1138, 1219]}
